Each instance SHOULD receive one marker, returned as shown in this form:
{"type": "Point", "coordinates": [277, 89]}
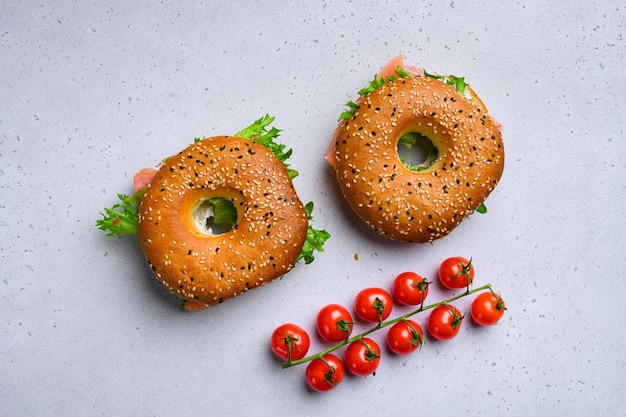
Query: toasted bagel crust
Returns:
{"type": "Point", "coordinates": [265, 243]}
{"type": "Point", "coordinates": [417, 206]}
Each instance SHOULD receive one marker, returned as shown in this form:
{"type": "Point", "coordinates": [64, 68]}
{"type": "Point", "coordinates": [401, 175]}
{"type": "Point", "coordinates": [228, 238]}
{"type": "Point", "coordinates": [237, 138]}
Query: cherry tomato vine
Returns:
{"type": "Point", "coordinates": [374, 305]}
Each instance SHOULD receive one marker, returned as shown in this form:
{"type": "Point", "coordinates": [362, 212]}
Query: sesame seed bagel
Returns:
{"type": "Point", "coordinates": [398, 202]}
{"type": "Point", "coordinates": [210, 268]}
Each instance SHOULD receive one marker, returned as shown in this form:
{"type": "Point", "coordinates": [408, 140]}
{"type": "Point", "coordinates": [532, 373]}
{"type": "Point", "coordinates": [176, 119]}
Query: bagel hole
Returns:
{"type": "Point", "coordinates": [215, 216]}
{"type": "Point", "coordinates": [416, 151]}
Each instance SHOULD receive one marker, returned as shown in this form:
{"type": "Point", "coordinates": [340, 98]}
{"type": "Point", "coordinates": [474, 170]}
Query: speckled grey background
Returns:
{"type": "Point", "coordinates": [90, 92]}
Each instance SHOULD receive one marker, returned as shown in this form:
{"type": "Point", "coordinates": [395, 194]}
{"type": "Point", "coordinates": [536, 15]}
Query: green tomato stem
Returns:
{"type": "Point", "coordinates": [380, 325]}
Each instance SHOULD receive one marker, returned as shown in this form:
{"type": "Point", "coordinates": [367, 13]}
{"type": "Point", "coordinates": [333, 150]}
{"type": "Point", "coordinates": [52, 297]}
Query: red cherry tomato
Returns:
{"type": "Point", "coordinates": [444, 322]}
{"type": "Point", "coordinates": [362, 357]}
{"type": "Point", "coordinates": [487, 308]}
{"type": "Point", "coordinates": [456, 272]}
{"type": "Point", "coordinates": [324, 374]}
{"type": "Point", "coordinates": [373, 304]}
{"type": "Point", "coordinates": [334, 323]}
{"type": "Point", "coordinates": [410, 289]}
{"type": "Point", "coordinates": [290, 342]}
{"type": "Point", "coordinates": [404, 337]}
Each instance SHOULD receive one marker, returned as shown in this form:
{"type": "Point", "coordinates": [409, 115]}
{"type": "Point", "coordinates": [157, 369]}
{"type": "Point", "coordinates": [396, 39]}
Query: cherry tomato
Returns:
{"type": "Point", "coordinates": [404, 337]}
{"type": "Point", "coordinates": [362, 357]}
{"type": "Point", "coordinates": [334, 323]}
{"type": "Point", "coordinates": [410, 289]}
{"type": "Point", "coordinates": [373, 304]}
{"type": "Point", "coordinates": [290, 342]}
{"type": "Point", "coordinates": [487, 308]}
{"type": "Point", "coordinates": [324, 374]}
{"type": "Point", "coordinates": [456, 272]}
{"type": "Point", "coordinates": [444, 322]}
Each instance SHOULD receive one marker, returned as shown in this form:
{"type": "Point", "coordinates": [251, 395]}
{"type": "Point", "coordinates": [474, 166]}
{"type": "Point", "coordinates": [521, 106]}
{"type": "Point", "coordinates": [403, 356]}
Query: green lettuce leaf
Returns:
{"type": "Point", "coordinates": [223, 211]}
{"type": "Point", "coordinates": [315, 238]}
{"type": "Point", "coordinates": [458, 83]}
{"type": "Point", "coordinates": [122, 219]}
{"type": "Point", "coordinates": [376, 83]}
{"type": "Point", "coordinates": [260, 132]}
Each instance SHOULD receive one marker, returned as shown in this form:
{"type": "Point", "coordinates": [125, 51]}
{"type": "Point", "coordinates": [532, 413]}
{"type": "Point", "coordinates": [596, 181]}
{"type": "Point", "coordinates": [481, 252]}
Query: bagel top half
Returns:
{"type": "Point", "coordinates": [403, 204]}
{"type": "Point", "coordinates": [264, 244]}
